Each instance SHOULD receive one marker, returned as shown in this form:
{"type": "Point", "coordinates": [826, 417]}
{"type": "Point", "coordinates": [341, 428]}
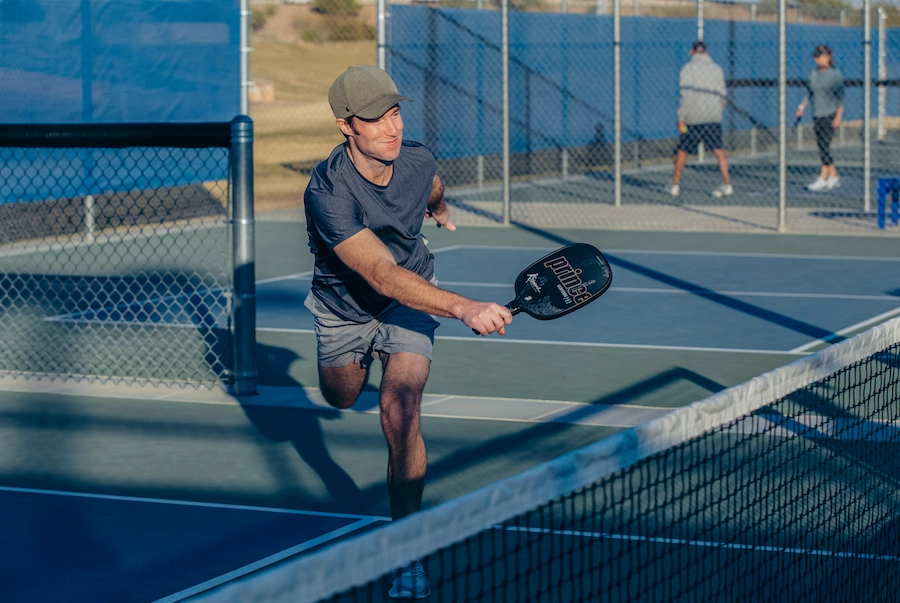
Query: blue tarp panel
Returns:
{"type": "Point", "coordinates": [113, 61]}
{"type": "Point", "coordinates": [561, 75]}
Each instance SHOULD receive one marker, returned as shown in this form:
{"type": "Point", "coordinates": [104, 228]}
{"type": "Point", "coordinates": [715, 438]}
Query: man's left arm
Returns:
{"type": "Point", "coordinates": [437, 205]}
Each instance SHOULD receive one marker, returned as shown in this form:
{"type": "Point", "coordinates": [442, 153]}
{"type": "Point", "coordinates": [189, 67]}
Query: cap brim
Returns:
{"type": "Point", "coordinates": [381, 106]}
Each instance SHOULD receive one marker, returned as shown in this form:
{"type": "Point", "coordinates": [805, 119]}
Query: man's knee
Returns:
{"type": "Point", "coordinates": [341, 386]}
{"type": "Point", "coordinates": [338, 399]}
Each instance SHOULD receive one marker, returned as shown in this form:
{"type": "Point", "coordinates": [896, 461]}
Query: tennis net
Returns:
{"type": "Point", "coordinates": [786, 487]}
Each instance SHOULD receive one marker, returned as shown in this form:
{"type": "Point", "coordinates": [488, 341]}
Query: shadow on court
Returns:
{"type": "Point", "coordinates": [302, 429]}
{"type": "Point", "coordinates": [787, 322]}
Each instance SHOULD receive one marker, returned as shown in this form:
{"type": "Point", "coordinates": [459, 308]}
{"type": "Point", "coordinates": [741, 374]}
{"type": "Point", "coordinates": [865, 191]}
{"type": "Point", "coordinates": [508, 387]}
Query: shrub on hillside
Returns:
{"type": "Point", "coordinates": [336, 7]}
{"type": "Point", "coordinates": [338, 29]}
{"type": "Point", "coordinates": [259, 16]}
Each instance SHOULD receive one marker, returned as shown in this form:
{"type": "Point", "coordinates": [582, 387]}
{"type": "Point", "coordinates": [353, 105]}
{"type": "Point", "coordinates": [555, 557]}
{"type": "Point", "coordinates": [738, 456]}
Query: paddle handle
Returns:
{"type": "Point", "coordinates": [514, 307]}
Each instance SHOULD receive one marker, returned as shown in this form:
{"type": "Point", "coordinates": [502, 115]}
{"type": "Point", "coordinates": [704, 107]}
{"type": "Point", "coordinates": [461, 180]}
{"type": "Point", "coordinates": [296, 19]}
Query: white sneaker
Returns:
{"type": "Point", "coordinates": [410, 582]}
{"type": "Point", "coordinates": [832, 182]}
{"type": "Point", "coordinates": [674, 190]}
{"type": "Point", "coordinates": [723, 191]}
{"type": "Point", "coordinates": [818, 185]}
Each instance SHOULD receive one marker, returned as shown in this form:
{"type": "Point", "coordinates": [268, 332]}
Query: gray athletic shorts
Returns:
{"type": "Point", "coordinates": [397, 329]}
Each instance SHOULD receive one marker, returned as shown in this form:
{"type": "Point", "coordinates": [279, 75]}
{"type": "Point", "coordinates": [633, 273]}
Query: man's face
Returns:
{"type": "Point", "coordinates": [823, 60]}
{"type": "Point", "coordinates": [378, 138]}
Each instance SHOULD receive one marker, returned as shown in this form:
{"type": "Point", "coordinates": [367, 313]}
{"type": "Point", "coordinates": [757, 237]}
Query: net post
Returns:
{"type": "Point", "coordinates": [244, 380]}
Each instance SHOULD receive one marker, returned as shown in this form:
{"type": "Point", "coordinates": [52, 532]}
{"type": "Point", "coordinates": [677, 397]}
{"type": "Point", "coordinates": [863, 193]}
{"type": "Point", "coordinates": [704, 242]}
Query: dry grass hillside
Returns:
{"type": "Point", "coordinates": [296, 129]}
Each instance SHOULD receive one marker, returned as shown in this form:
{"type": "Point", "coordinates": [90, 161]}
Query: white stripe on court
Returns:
{"type": "Point", "coordinates": [705, 292]}
{"type": "Point", "coordinates": [635, 346]}
{"type": "Point", "coordinates": [735, 254]}
{"type": "Point", "coordinates": [189, 503]}
{"type": "Point", "coordinates": [852, 329]}
{"type": "Point", "coordinates": [146, 232]}
{"type": "Point", "coordinates": [705, 543]}
{"type": "Point", "coordinates": [585, 344]}
{"type": "Point", "coordinates": [266, 561]}
{"type": "Point", "coordinates": [300, 276]}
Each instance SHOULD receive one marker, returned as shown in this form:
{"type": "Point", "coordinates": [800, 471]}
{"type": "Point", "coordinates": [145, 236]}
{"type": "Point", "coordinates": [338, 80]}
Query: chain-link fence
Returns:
{"type": "Point", "coordinates": [116, 256]}
{"type": "Point", "coordinates": [581, 141]}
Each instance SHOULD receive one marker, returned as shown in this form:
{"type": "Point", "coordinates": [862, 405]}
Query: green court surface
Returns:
{"type": "Point", "coordinates": [488, 411]}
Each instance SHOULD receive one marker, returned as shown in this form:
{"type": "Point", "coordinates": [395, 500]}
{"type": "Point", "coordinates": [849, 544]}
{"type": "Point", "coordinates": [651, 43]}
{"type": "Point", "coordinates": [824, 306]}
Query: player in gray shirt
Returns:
{"type": "Point", "coordinates": [702, 86]}
{"type": "Point", "coordinates": [825, 90]}
{"type": "Point", "coordinates": [373, 291]}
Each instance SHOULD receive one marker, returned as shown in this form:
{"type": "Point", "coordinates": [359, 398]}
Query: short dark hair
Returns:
{"type": "Point", "coordinates": [824, 49]}
{"type": "Point", "coordinates": [698, 46]}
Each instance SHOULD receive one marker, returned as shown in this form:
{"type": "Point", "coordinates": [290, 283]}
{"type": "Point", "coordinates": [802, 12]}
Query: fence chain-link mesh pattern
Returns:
{"type": "Point", "coordinates": [114, 264]}
{"type": "Point", "coordinates": [446, 55]}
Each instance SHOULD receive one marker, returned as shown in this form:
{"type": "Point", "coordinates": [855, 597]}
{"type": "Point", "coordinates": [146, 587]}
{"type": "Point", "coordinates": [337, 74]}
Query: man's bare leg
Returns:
{"type": "Point", "coordinates": [680, 160]}
{"type": "Point", "coordinates": [342, 385]}
{"type": "Point", "coordinates": [722, 158]}
{"type": "Point", "coordinates": [402, 385]}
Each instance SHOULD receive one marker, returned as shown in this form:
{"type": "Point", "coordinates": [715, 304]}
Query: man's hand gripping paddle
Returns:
{"type": "Point", "coordinates": [561, 282]}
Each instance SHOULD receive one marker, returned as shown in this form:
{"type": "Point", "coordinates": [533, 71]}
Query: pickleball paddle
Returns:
{"type": "Point", "coordinates": [561, 282]}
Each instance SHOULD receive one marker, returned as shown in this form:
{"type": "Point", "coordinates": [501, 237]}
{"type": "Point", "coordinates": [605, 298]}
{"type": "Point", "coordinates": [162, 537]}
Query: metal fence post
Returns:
{"type": "Point", "coordinates": [700, 21]}
{"type": "Point", "coordinates": [782, 115]}
{"type": "Point", "coordinates": [245, 57]}
{"type": "Point", "coordinates": [867, 106]}
{"type": "Point", "coordinates": [617, 100]}
{"type": "Point", "coordinates": [381, 59]}
{"type": "Point", "coordinates": [882, 71]}
{"type": "Point", "coordinates": [243, 253]}
{"type": "Point", "coordinates": [504, 66]}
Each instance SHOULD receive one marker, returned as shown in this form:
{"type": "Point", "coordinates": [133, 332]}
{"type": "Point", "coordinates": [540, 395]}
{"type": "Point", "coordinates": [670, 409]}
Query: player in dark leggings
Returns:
{"type": "Point", "coordinates": [826, 92]}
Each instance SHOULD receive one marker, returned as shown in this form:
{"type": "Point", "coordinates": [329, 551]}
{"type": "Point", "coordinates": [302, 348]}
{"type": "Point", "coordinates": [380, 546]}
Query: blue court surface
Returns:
{"type": "Point", "coordinates": [685, 300]}
{"type": "Point", "coordinates": [119, 548]}
{"type": "Point", "coordinates": [696, 300]}
{"type": "Point", "coordinates": [91, 548]}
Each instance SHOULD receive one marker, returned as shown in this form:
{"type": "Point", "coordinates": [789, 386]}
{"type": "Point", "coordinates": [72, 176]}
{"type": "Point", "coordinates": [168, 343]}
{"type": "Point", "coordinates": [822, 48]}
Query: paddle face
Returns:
{"type": "Point", "coordinates": [561, 282]}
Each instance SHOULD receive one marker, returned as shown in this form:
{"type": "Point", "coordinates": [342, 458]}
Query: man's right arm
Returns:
{"type": "Point", "coordinates": [365, 254]}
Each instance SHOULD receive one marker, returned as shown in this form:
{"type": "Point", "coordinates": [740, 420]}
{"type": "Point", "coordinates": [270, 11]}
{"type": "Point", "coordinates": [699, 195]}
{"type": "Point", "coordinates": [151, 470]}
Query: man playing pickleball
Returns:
{"type": "Point", "coordinates": [373, 291]}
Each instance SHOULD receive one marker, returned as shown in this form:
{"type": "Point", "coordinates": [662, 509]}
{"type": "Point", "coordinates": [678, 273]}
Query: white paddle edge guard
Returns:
{"type": "Point", "coordinates": [372, 555]}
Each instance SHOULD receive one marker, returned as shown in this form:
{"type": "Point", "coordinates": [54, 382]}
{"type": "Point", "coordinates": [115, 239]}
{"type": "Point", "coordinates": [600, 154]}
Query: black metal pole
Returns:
{"type": "Point", "coordinates": [243, 242]}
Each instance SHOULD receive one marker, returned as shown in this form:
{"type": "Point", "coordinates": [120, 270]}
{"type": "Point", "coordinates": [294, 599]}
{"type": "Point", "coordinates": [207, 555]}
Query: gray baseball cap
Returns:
{"type": "Point", "coordinates": [367, 92]}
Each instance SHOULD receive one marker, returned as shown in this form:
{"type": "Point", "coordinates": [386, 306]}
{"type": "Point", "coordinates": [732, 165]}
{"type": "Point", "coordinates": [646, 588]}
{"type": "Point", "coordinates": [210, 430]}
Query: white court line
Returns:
{"type": "Point", "coordinates": [309, 273]}
{"type": "Point", "coordinates": [145, 231]}
{"type": "Point", "coordinates": [635, 346]}
{"type": "Point", "coordinates": [270, 560]}
{"type": "Point", "coordinates": [846, 331]}
{"type": "Point", "coordinates": [189, 503]}
{"type": "Point", "coordinates": [706, 292]}
{"type": "Point", "coordinates": [705, 543]}
{"type": "Point", "coordinates": [361, 522]}
{"type": "Point", "coordinates": [583, 344]}
{"type": "Point", "coordinates": [787, 256]}
{"type": "Point", "coordinates": [296, 276]}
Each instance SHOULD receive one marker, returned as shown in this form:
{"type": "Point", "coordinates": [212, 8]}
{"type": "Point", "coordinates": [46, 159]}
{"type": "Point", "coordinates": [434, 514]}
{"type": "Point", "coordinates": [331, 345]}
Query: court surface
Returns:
{"type": "Point", "coordinates": [154, 494]}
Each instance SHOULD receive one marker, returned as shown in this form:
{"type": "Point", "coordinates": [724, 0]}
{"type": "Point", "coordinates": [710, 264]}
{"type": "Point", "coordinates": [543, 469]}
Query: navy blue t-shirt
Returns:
{"type": "Point", "coordinates": [340, 202]}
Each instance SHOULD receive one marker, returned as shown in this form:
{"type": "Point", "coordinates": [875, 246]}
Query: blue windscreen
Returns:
{"type": "Point", "coordinates": [115, 61]}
